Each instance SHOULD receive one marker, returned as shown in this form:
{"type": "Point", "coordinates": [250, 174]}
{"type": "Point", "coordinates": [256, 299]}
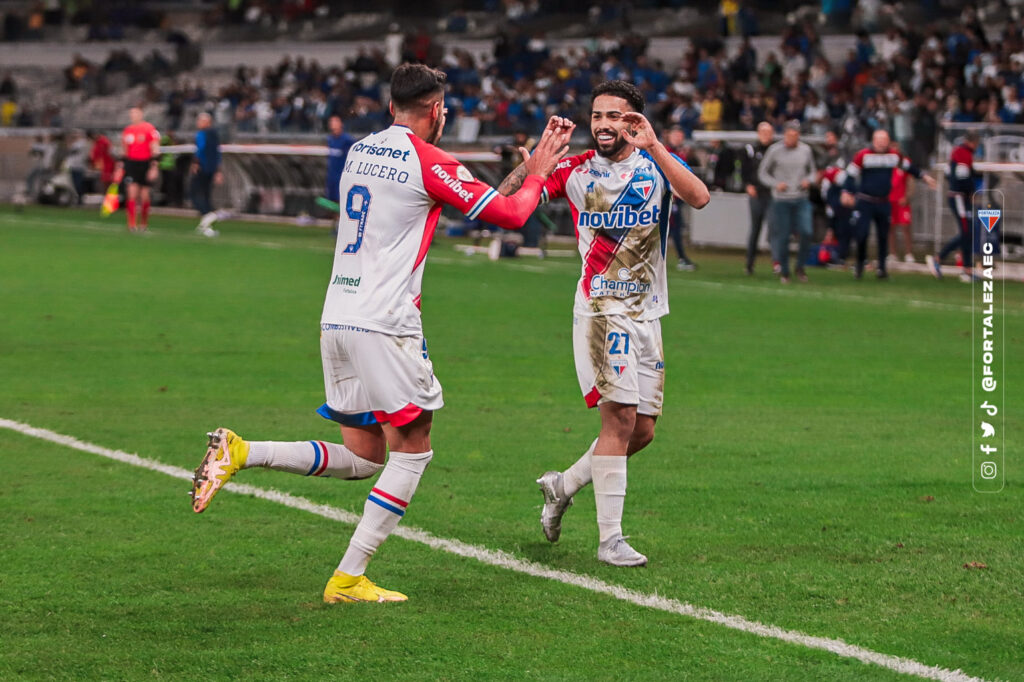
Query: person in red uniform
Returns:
{"type": "Point", "coordinates": [101, 157]}
{"type": "Point", "coordinates": [899, 197]}
{"type": "Point", "coordinates": [140, 142]}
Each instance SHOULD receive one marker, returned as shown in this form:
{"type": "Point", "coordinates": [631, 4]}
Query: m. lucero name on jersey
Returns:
{"type": "Point", "coordinates": [625, 285]}
{"type": "Point", "coordinates": [376, 170]}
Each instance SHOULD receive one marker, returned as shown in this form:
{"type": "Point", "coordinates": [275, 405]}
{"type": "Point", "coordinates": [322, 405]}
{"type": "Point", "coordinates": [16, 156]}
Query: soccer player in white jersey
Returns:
{"type": "Point", "coordinates": [378, 377]}
{"type": "Point", "coordinates": [620, 196]}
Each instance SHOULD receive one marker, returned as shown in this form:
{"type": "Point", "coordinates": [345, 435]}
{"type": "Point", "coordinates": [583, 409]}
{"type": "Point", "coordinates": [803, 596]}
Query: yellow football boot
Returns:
{"type": "Point", "coordinates": [343, 587]}
{"type": "Point", "coordinates": [226, 453]}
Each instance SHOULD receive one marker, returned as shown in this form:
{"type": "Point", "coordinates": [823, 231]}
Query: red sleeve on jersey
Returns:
{"type": "Point", "coordinates": [554, 187]}
{"type": "Point", "coordinates": [963, 156]}
{"type": "Point", "coordinates": [449, 182]}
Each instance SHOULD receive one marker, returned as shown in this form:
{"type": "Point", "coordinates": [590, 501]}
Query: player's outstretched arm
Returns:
{"type": "Point", "coordinates": [684, 183]}
{"type": "Point", "coordinates": [557, 132]}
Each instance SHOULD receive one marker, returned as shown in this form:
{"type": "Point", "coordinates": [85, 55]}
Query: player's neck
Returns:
{"type": "Point", "coordinates": [420, 127]}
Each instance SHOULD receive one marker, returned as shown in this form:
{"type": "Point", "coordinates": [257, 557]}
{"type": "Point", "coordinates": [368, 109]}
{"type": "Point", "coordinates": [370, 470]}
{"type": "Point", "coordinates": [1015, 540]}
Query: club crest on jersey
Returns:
{"type": "Point", "coordinates": [989, 218]}
{"type": "Point", "coordinates": [641, 186]}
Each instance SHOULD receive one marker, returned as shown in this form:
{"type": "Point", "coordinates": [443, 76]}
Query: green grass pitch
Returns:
{"type": "Point", "coordinates": [811, 471]}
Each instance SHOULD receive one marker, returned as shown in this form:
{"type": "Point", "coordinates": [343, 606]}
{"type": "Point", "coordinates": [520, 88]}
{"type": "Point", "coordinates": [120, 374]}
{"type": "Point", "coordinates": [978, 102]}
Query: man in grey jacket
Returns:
{"type": "Point", "coordinates": [788, 169]}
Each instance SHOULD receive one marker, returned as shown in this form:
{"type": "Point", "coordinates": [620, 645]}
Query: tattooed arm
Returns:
{"type": "Point", "coordinates": [557, 133]}
{"type": "Point", "coordinates": [511, 184]}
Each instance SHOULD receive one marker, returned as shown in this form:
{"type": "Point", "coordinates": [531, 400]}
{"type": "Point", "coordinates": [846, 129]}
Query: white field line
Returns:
{"type": "Point", "coordinates": [508, 561]}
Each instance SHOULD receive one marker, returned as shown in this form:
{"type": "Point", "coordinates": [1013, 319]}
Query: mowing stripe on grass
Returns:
{"type": "Point", "coordinates": [742, 289]}
{"type": "Point", "coordinates": [508, 561]}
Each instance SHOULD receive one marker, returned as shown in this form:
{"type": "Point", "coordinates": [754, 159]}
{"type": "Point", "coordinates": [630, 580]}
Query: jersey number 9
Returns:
{"type": "Point", "coordinates": [359, 196]}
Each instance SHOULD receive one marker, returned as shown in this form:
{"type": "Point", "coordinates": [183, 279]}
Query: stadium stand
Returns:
{"type": "Point", "coordinates": [714, 68]}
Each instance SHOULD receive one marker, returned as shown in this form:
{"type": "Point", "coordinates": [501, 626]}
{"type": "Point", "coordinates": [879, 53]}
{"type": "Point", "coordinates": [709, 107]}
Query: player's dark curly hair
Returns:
{"type": "Point", "coordinates": [623, 89]}
{"type": "Point", "coordinates": [416, 84]}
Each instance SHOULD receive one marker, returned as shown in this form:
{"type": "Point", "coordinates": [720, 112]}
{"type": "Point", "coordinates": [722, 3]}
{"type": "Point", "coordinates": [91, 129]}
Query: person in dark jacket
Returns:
{"type": "Point", "coordinates": [205, 172]}
{"type": "Point", "coordinates": [760, 196]}
{"type": "Point", "coordinates": [962, 184]}
{"type": "Point", "coordinates": [867, 188]}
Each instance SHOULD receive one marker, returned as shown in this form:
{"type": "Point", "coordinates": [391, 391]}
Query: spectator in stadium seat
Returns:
{"type": "Point", "coordinates": [205, 172]}
{"type": "Point", "coordinates": [788, 169]}
{"type": "Point", "coordinates": [759, 193]}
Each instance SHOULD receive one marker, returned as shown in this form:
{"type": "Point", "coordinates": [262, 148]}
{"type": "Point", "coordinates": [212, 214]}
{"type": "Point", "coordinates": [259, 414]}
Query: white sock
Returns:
{"type": "Point", "coordinates": [384, 508]}
{"type": "Point", "coordinates": [609, 473]}
{"type": "Point", "coordinates": [578, 475]}
{"type": "Point", "coordinates": [208, 220]}
{"type": "Point", "coordinates": [310, 458]}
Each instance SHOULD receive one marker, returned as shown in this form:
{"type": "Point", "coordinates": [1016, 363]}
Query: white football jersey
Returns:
{"type": "Point", "coordinates": [620, 211]}
{"type": "Point", "coordinates": [390, 195]}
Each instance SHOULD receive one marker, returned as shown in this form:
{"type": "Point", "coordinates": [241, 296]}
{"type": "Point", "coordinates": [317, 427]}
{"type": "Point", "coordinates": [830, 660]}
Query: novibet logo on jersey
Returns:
{"type": "Point", "coordinates": [623, 215]}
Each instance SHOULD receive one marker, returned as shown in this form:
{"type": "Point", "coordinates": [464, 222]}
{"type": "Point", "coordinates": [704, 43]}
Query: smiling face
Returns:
{"type": "Point", "coordinates": [606, 125]}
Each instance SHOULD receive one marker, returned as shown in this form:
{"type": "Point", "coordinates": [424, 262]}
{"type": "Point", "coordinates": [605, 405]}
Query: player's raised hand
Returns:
{"type": "Point", "coordinates": [553, 145]}
{"type": "Point", "coordinates": [557, 125]}
{"type": "Point", "coordinates": [639, 132]}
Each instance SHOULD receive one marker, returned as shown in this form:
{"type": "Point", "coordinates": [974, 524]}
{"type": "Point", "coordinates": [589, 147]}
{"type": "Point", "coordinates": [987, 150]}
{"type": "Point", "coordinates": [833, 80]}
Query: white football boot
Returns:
{"type": "Point", "coordinates": [555, 504]}
{"type": "Point", "coordinates": [617, 552]}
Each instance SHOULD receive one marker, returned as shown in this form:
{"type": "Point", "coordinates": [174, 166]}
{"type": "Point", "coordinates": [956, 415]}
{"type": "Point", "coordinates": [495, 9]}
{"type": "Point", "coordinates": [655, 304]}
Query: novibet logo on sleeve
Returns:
{"type": "Point", "coordinates": [988, 439]}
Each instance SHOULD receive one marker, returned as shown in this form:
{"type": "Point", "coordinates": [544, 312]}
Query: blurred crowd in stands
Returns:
{"type": "Point", "coordinates": [904, 78]}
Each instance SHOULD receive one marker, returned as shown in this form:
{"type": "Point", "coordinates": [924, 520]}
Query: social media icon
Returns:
{"type": "Point", "coordinates": [988, 470]}
{"type": "Point", "coordinates": [987, 430]}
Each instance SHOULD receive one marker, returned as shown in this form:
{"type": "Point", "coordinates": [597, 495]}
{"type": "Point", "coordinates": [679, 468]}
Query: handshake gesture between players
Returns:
{"type": "Point", "coordinates": [553, 145]}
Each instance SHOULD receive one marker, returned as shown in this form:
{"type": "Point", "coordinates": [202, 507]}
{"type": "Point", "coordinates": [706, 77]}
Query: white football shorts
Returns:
{"type": "Point", "coordinates": [621, 360]}
{"type": "Point", "coordinates": [370, 377]}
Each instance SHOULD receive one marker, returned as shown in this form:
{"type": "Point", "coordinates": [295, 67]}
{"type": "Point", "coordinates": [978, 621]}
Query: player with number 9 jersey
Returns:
{"type": "Point", "coordinates": [391, 193]}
